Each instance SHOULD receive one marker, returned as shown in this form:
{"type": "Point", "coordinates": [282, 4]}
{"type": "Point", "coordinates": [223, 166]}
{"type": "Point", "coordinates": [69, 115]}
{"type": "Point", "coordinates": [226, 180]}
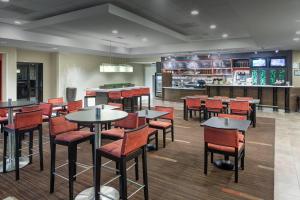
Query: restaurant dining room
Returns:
{"type": "Point", "coordinates": [149, 100]}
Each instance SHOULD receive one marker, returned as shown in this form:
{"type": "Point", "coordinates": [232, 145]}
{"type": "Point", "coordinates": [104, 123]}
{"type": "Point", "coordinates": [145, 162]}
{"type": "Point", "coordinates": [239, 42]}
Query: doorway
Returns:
{"type": "Point", "coordinates": [30, 81]}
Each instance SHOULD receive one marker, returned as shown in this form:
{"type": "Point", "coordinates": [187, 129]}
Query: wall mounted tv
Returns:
{"type": "Point", "coordinates": [258, 62]}
{"type": "Point", "coordinates": [277, 62]}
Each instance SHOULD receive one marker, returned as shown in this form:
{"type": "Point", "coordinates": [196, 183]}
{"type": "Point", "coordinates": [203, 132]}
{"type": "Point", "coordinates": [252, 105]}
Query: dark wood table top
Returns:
{"type": "Point", "coordinates": [16, 104]}
{"type": "Point", "coordinates": [89, 116]}
{"type": "Point", "coordinates": [151, 114]}
{"type": "Point", "coordinates": [217, 122]}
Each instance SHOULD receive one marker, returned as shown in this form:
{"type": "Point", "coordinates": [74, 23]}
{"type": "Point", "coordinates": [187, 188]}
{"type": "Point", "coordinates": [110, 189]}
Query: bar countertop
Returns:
{"type": "Point", "coordinates": [266, 86]}
{"type": "Point", "coordinates": [114, 89]}
{"type": "Point", "coordinates": [184, 88]}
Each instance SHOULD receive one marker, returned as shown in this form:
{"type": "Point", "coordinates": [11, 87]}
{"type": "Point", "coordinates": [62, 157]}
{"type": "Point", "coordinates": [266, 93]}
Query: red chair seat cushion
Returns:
{"type": "Point", "coordinates": [114, 132]}
{"type": "Point", "coordinates": [113, 148]}
{"type": "Point", "coordinates": [73, 136]}
{"type": "Point", "coordinates": [160, 124]}
{"type": "Point", "coordinates": [224, 148]}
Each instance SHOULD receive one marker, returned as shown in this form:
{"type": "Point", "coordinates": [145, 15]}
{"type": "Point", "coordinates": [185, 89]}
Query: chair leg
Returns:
{"type": "Point", "coordinates": [52, 170]}
{"type": "Point", "coordinates": [156, 141]}
{"type": "Point", "coordinates": [136, 160]}
{"type": "Point", "coordinates": [149, 107]}
{"type": "Point", "coordinates": [117, 168]}
{"type": "Point", "coordinates": [243, 161]}
{"type": "Point", "coordinates": [41, 148]}
{"type": "Point", "coordinates": [172, 132]}
{"type": "Point", "coordinates": [98, 176]}
{"type": "Point", "coordinates": [205, 160]}
{"type": "Point", "coordinates": [236, 168]}
{"type": "Point", "coordinates": [17, 155]}
{"type": "Point", "coordinates": [191, 113]}
{"type": "Point", "coordinates": [74, 164]}
{"type": "Point", "coordinates": [71, 160]}
{"type": "Point", "coordinates": [164, 138]}
{"type": "Point", "coordinates": [123, 179]}
{"type": "Point", "coordinates": [30, 146]}
{"type": "Point", "coordinates": [92, 140]}
{"type": "Point", "coordinates": [145, 174]}
{"type": "Point", "coordinates": [141, 103]}
{"type": "Point", "coordinates": [4, 151]}
{"type": "Point", "coordinates": [211, 157]}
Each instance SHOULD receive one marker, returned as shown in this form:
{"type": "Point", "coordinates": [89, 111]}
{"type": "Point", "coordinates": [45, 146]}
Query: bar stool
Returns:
{"type": "Point", "coordinates": [213, 106]}
{"type": "Point", "coordinates": [46, 109]}
{"type": "Point", "coordinates": [72, 106]}
{"type": "Point", "coordinates": [136, 95]}
{"type": "Point", "coordinates": [194, 104]}
{"type": "Point", "coordinates": [121, 151]}
{"type": "Point", "coordinates": [65, 133]}
{"type": "Point", "coordinates": [127, 97]}
{"type": "Point", "coordinates": [3, 118]}
{"type": "Point", "coordinates": [145, 92]}
{"type": "Point", "coordinates": [152, 132]}
{"type": "Point", "coordinates": [24, 122]}
{"type": "Point", "coordinates": [166, 124]}
{"type": "Point", "coordinates": [240, 108]}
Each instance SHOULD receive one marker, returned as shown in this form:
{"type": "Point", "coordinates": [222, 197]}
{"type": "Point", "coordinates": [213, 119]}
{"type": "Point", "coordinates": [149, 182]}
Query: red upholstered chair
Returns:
{"type": "Point", "coordinates": [65, 133]}
{"type": "Point", "coordinates": [166, 124]}
{"type": "Point", "coordinates": [59, 100]}
{"type": "Point", "coordinates": [127, 98]}
{"type": "Point", "coordinates": [115, 96]}
{"type": "Point", "coordinates": [136, 95]}
{"type": "Point", "coordinates": [119, 105]}
{"type": "Point", "coordinates": [3, 118]}
{"type": "Point", "coordinates": [130, 122]}
{"type": "Point", "coordinates": [244, 98]}
{"type": "Point", "coordinates": [90, 93]}
{"type": "Point", "coordinates": [225, 142]}
{"type": "Point", "coordinates": [72, 106]}
{"type": "Point", "coordinates": [194, 104]}
{"type": "Point", "coordinates": [30, 108]}
{"type": "Point", "coordinates": [121, 151]}
{"type": "Point", "coordinates": [24, 122]}
{"type": "Point", "coordinates": [46, 109]}
{"type": "Point", "coordinates": [145, 92]}
{"type": "Point", "coordinates": [213, 106]}
{"type": "Point", "coordinates": [240, 108]}
{"type": "Point", "coordinates": [152, 132]}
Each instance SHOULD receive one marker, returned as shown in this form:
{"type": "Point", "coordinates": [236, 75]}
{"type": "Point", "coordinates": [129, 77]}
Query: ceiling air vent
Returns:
{"type": "Point", "coordinates": [18, 9]}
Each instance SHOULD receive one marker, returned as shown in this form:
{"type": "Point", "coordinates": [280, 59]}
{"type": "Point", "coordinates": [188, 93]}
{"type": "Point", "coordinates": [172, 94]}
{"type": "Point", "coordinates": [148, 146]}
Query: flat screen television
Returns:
{"type": "Point", "coordinates": [258, 62]}
{"type": "Point", "coordinates": [277, 62]}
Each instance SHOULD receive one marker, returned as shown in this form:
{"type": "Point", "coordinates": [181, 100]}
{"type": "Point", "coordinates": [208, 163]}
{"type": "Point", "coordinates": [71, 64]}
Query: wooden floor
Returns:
{"type": "Point", "coordinates": [175, 173]}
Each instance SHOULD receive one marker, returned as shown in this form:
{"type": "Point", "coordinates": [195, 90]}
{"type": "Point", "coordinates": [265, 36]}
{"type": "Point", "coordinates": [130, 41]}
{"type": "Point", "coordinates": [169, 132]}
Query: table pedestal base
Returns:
{"type": "Point", "coordinates": [10, 164]}
{"type": "Point", "coordinates": [109, 192]}
{"type": "Point", "coordinates": [224, 164]}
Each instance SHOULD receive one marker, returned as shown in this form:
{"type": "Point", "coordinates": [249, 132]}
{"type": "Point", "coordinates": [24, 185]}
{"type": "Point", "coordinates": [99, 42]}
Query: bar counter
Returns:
{"type": "Point", "coordinates": [276, 97]}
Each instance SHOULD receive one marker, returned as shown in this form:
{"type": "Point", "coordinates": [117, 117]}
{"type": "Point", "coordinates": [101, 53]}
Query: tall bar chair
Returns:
{"type": "Point", "coordinates": [213, 106]}
{"type": "Point", "coordinates": [115, 97]}
{"type": "Point", "coordinates": [24, 122]}
{"type": "Point", "coordinates": [72, 106]}
{"type": "Point", "coordinates": [58, 100]}
{"type": "Point", "coordinates": [65, 133]}
{"type": "Point", "coordinates": [165, 123]}
{"type": "Point", "coordinates": [136, 96]}
{"type": "Point", "coordinates": [127, 98]}
{"type": "Point", "coordinates": [240, 108]}
{"type": "Point", "coordinates": [225, 142]}
{"type": "Point", "coordinates": [194, 104]}
{"type": "Point", "coordinates": [145, 92]}
{"type": "Point", "coordinates": [3, 118]}
{"type": "Point", "coordinates": [121, 151]}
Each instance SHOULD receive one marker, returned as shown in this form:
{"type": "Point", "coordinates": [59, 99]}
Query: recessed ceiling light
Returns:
{"type": "Point", "coordinates": [276, 51]}
{"type": "Point", "coordinates": [144, 39]}
{"type": "Point", "coordinates": [115, 31]}
{"type": "Point", "coordinates": [5, 1]}
{"type": "Point", "coordinates": [213, 26]}
{"type": "Point", "coordinates": [195, 12]}
{"type": "Point", "coordinates": [255, 52]}
{"type": "Point", "coordinates": [296, 39]}
{"type": "Point", "coordinates": [224, 35]}
{"type": "Point", "coordinates": [17, 22]}
{"type": "Point", "coordinates": [298, 32]}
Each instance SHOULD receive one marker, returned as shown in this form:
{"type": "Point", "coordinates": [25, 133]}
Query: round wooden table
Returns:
{"type": "Point", "coordinates": [89, 116]}
{"type": "Point", "coordinates": [10, 160]}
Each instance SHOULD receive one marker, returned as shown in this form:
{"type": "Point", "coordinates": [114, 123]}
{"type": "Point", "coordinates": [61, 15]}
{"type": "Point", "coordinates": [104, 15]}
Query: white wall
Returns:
{"type": "Point", "coordinates": [82, 71]}
{"type": "Point", "coordinates": [296, 66]}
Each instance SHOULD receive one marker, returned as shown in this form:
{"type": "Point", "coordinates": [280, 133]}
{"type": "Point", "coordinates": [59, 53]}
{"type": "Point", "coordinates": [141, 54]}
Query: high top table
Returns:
{"type": "Point", "coordinates": [89, 116]}
{"type": "Point", "coordinates": [10, 162]}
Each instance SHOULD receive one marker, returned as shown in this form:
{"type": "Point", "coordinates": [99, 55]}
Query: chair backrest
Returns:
{"type": "Point", "coordinates": [170, 110]}
{"type": "Point", "coordinates": [244, 98]}
{"type": "Point", "coordinates": [28, 120]}
{"type": "Point", "coordinates": [130, 122]}
{"type": "Point", "coordinates": [239, 105]}
{"type": "Point", "coordinates": [90, 93]}
{"type": "Point", "coordinates": [214, 104]}
{"type": "Point", "coordinates": [114, 95]}
{"type": "Point", "coordinates": [221, 97]}
{"type": "Point", "coordinates": [60, 125]}
{"type": "Point", "coordinates": [193, 102]}
{"type": "Point", "coordinates": [136, 92]}
{"type": "Point", "coordinates": [30, 108]}
{"type": "Point", "coordinates": [56, 100]}
{"type": "Point", "coordinates": [127, 93]}
{"type": "Point", "coordinates": [142, 121]}
{"type": "Point", "coordinates": [134, 139]}
{"type": "Point", "coordinates": [231, 116]}
{"type": "Point", "coordinates": [145, 91]}
{"type": "Point", "coordinates": [74, 106]}
{"type": "Point", "coordinates": [3, 112]}
{"type": "Point", "coordinates": [223, 137]}
{"type": "Point", "coordinates": [46, 109]}
{"type": "Point", "coordinates": [119, 105]}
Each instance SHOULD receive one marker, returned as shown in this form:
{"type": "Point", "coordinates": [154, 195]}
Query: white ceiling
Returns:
{"type": "Point", "coordinates": [86, 25]}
